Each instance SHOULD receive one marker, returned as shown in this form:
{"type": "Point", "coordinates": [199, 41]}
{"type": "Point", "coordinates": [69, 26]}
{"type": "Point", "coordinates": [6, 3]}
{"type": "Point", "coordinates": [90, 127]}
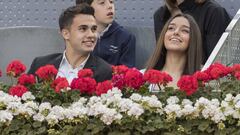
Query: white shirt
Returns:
{"type": "Point", "coordinates": [104, 31]}
{"type": "Point", "coordinates": [66, 70]}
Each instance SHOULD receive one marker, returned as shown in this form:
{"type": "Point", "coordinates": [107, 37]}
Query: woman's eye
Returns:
{"type": "Point", "coordinates": [185, 31]}
{"type": "Point", "coordinates": [170, 28]}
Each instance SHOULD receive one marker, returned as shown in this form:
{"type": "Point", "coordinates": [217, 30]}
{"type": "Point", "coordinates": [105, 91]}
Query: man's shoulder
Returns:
{"type": "Point", "coordinates": [211, 4]}
{"type": "Point", "coordinates": [49, 56]}
{"type": "Point", "coordinates": [47, 59]}
{"type": "Point", "coordinates": [119, 30]}
{"type": "Point", "coordinates": [101, 63]}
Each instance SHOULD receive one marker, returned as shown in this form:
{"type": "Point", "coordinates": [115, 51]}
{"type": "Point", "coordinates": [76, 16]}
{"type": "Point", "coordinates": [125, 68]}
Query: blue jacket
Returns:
{"type": "Point", "coordinates": [116, 46]}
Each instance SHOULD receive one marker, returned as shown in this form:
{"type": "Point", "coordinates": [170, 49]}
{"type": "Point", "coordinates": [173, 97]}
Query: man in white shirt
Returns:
{"type": "Point", "coordinates": [79, 29]}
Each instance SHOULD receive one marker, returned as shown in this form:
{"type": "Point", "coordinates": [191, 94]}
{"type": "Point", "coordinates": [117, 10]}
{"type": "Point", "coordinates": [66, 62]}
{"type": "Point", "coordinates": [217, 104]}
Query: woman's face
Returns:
{"type": "Point", "coordinates": [177, 35]}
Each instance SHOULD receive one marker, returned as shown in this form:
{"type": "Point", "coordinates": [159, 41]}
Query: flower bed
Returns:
{"type": "Point", "coordinates": [207, 102]}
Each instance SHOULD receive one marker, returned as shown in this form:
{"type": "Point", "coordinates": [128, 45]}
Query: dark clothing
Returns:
{"type": "Point", "coordinates": [116, 46]}
{"type": "Point", "coordinates": [101, 70]}
{"type": "Point", "coordinates": [212, 20]}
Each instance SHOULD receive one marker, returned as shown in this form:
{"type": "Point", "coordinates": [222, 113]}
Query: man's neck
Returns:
{"type": "Point", "coordinates": [75, 59]}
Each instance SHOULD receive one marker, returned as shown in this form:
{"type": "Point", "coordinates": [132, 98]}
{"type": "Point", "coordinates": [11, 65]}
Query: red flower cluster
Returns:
{"type": "Point", "coordinates": [47, 72]}
{"type": "Point", "coordinates": [0, 73]}
{"type": "Point", "coordinates": [118, 81]}
{"type": "Point", "coordinates": [201, 76]}
{"type": "Point", "coordinates": [25, 79]}
{"type": "Point", "coordinates": [134, 78]}
{"type": "Point", "coordinates": [236, 71]}
{"type": "Point", "coordinates": [59, 84]}
{"type": "Point", "coordinates": [86, 85]}
{"type": "Point", "coordinates": [126, 77]}
{"type": "Point", "coordinates": [121, 69]}
{"type": "Point", "coordinates": [157, 77]}
{"type": "Point", "coordinates": [15, 68]}
{"type": "Point", "coordinates": [103, 87]}
{"type": "Point", "coordinates": [17, 90]}
{"type": "Point", "coordinates": [85, 73]}
{"type": "Point", "coordinates": [188, 84]}
{"type": "Point", "coordinates": [217, 70]}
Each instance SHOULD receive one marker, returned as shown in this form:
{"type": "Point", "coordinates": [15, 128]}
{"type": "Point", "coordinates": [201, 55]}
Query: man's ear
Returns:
{"type": "Point", "coordinates": [65, 33]}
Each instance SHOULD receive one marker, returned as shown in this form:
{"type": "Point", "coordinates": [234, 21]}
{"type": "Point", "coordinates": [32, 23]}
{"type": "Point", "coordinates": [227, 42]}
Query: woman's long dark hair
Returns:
{"type": "Point", "coordinates": [194, 51]}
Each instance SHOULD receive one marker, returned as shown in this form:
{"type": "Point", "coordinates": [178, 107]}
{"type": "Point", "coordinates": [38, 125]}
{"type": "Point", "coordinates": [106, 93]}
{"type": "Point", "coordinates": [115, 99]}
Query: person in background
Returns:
{"type": "Point", "coordinates": [115, 44]}
{"type": "Point", "coordinates": [179, 48]}
{"type": "Point", "coordinates": [212, 19]}
{"type": "Point", "coordinates": [78, 28]}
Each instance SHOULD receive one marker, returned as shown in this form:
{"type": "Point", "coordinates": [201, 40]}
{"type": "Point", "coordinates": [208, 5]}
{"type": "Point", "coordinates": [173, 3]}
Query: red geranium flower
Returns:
{"type": "Point", "coordinates": [15, 68]}
{"type": "Point", "coordinates": [236, 67]}
{"type": "Point", "coordinates": [85, 85]}
{"type": "Point", "coordinates": [153, 76]}
{"type": "Point", "coordinates": [17, 90]}
{"type": "Point", "coordinates": [85, 73]}
{"type": "Point", "coordinates": [217, 70]}
{"type": "Point", "coordinates": [25, 79]}
{"type": "Point", "coordinates": [103, 87]}
{"type": "Point", "coordinates": [166, 78]}
{"type": "Point", "coordinates": [188, 84]}
{"type": "Point", "coordinates": [118, 81]}
{"type": "Point", "coordinates": [201, 76]}
{"type": "Point", "coordinates": [237, 75]}
{"type": "Point", "coordinates": [0, 73]}
{"type": "Point", "coordinates": [157, 77]}
{"type": "Point", "coordinates": [47, 72]}
{"type": "Point", "coordinates": [134, 78]}
{"type": "Point", "coordinates": [121, 69]}
{"type": "Point", "coordinates": [59, 84]}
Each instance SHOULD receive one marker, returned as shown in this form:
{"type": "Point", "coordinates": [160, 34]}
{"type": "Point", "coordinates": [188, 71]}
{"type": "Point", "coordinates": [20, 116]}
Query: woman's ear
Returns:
{"type": "Point", "coordinates": [172, 6]}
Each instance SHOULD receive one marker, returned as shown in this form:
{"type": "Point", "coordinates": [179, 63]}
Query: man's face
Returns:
{"type": "Point", "coordinates": [104, 11]}
{"type": "Point", "coordinates": [81, 36]}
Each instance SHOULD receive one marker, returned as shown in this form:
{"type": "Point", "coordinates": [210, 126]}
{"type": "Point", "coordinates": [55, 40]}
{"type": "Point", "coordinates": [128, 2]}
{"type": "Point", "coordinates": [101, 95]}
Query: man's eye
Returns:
{"type": "Point", "coordinates": [94, 29]}
{"type": "Point", "coordinates": [82, 28]}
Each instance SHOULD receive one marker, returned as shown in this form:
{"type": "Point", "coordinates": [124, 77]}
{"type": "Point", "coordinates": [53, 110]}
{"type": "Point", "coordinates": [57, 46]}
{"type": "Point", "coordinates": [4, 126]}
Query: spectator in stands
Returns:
{"type": "Point", "coordinates": [212, 19]}
{"type": "Point", "coordinates": [179, 48]}
{"type": "Point", "coordinates": [79, 30]}
{"type": "Point", "coordinates": [115, 44]}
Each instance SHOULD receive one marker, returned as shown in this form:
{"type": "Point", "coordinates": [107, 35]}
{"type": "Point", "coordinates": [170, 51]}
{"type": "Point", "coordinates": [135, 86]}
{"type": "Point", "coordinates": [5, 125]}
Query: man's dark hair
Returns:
{"type": "Point", "coordinates": [67, 16]}
{"type": "Point", "coordinates": [84, 1]}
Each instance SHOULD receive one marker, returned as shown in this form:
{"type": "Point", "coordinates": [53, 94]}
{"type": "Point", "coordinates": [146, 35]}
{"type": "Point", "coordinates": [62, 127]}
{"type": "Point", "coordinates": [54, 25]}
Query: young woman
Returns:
{"type": "Point", "coordinates": [179, 48]}
{"type": "Point", "coordinates": [211, 17]}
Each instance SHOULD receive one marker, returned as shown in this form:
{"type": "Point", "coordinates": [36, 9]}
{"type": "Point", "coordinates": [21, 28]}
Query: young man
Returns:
{"type": "Point", "coordinates": [79, 29]}
{"type": "Point", "coordinates": [115, 44]}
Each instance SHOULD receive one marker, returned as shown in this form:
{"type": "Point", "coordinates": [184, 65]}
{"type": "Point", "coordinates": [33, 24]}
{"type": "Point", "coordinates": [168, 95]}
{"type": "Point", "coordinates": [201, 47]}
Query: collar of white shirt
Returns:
{"type": "Point", "coordinates": [104, 31]}
{"type": "Point", "coordinates": [66, 70]}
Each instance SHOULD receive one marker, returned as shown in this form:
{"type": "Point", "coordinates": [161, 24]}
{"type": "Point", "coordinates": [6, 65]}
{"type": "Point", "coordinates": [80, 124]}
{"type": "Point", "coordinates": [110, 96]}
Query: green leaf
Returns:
{"type": "Point", "coordinates": [42, 130]}
{"type": "Point", "coordinates": [203, 125]}
{"type": "Point", "coordinates": [37, 124]}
